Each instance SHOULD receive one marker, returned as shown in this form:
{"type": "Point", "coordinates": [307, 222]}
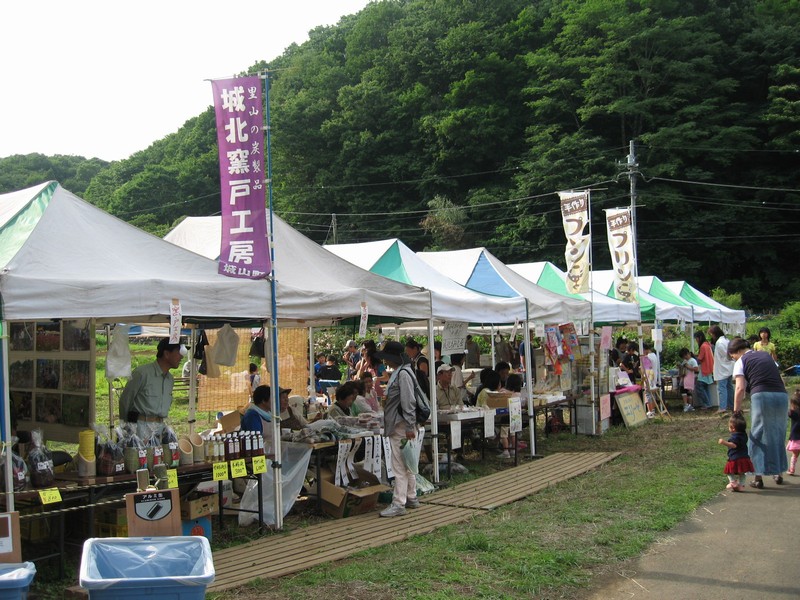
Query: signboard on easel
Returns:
{"type": "Point", "coordinates": [631, 408]}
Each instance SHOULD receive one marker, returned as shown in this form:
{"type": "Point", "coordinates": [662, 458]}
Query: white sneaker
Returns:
{"type": "Point", "coordinates": [412, 503]}
{"type": "Point", "coordinates": [651, 414]}
{"type": "Point", "coordinates": [393, 511]}
{"type": "Point", "coordinates": [688, 408]}
{"type": "Point", "coordinates": [504, 454]}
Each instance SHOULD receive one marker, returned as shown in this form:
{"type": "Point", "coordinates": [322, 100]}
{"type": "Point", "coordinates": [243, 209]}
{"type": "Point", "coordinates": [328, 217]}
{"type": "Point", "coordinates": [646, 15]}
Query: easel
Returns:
{"type": "Point", "coordinates": [655, 394]}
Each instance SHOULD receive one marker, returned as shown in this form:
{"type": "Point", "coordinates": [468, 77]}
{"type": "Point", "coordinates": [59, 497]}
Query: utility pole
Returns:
{"type": "Point", "coordinates": [633, 169]}
{"type": "Point", "coordinates": [333, 227]}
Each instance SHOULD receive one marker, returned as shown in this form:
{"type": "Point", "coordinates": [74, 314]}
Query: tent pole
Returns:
{"type": "Point", "coordinates": [110, 387]}
{"type": "Point", "coordinates": [432, 395]}
{"type": "Point", "coordinates": [492, 345]}
{"type": "Point", "coordinates": [529, 386]}
{"type": "Point", "coordinates": [312, 362]}
{"type": "Point", "coordinates": [192, 381]}
{"type": "Point", "coordinates": [7, 421]}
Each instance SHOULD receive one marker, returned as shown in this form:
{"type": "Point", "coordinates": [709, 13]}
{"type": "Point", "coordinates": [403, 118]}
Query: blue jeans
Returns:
{"type": "Point", "coordinates": [702, 393]}
{"type": "Point", "coordinates": [725, 391]}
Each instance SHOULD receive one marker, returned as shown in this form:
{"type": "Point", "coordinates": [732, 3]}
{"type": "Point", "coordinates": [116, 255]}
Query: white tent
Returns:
{"type": "Point", "coordinates": [604, 309]}
{"type": "Point", "coordinates": [695, 297]}
{"type": "Point", "coordinates": [393, 259]}
{"type": "Point", "coordinates": [603, 282]}
{"type": "Point", "coordinates": [324, 286]}
{"type": "Point", "coordinates": [62, 258]}
{"type": "Point", "coordinates": [479, 270]}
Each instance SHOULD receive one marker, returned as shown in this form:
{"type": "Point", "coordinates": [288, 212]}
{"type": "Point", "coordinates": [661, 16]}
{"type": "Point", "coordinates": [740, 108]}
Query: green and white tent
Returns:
{"type": "Point", "coordinates": [604, 308]}
{"type": "Point", "coordinates": [719, 312]}
{"type": "Point", "coordinates": [668, 306]}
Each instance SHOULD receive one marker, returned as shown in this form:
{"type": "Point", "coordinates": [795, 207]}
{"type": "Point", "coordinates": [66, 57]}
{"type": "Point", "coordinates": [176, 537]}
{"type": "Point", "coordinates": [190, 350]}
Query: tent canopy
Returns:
{"type": "Point", "coordinates": [695, 297]}
{"type": "Point", "coordinates": [312, 283]}
{"type": "Point", "coordinates": [603, 282]}
{"type": "Point", "coordinates": [479, 270]}
{"type": "Point", "coordinates": [604, 309]}
{"type": "Point", "coordinates": [393, 259]}
{"type": "Point", "coordinates": [63, 258]}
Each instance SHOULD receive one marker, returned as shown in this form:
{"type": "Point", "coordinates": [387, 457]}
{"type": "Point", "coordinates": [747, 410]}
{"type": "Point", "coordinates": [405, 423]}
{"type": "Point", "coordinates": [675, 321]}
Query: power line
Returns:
{"type": "Point", "coordinates": [725, 185]}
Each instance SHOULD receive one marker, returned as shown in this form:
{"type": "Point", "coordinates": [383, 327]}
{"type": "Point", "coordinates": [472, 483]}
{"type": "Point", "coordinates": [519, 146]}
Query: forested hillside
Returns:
{"type": "Point", "coordinates": [452, 123]}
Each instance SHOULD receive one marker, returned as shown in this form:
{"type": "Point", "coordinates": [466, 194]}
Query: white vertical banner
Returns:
{"type": "Point", "coordinates": [620, 243]}
{"type": "Point", "coordinates": [575, 217]}
{"type": "Point", "coordinates": [175, 321]}
{"type": "Point", "coordinates": [362, 325]}
{"type": "Point", "coordinates": [387, 457]}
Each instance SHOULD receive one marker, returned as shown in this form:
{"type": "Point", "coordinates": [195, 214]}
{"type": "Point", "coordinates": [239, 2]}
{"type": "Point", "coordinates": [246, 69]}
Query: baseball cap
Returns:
{"type": "Point", "coordinates": [445, 368]}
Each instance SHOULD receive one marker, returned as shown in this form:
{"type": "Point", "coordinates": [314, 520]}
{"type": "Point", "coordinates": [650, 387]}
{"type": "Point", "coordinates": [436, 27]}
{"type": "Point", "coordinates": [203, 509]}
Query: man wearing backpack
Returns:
{"type": "Point", "coordinates": [400, 423]}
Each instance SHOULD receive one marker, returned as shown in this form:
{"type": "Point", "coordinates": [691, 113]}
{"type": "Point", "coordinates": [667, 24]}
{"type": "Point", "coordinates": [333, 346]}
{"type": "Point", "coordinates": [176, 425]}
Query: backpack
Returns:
{"type": "Point", "coordinates": [423, 407]}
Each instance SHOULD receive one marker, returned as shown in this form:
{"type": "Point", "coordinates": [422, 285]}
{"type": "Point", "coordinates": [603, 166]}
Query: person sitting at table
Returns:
{"type": "Point", "coordinates": [513, 383]}
{"type": "Point", "coordinates": [492, 385]}
{"type": "Point", "coordinates": [482, 376]}
{"type": "Point", "coordinates": [330, 370]}
{"type": "Point", "coordinates": [503, 369]}
{"type": "Point", "coordinates": [448, 397]}
{"type": "Point", "coordinates": [367, 400]}
{"type": "Point", "coordinates": [345, 396]}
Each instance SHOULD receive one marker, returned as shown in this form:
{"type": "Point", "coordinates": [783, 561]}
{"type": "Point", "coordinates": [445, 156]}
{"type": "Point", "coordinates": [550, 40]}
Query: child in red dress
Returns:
{"type": "Point", "coordinates": [738, 458]}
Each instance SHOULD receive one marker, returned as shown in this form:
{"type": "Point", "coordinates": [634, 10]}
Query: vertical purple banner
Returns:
{"type": "Point", "coordinates": [244, 250]}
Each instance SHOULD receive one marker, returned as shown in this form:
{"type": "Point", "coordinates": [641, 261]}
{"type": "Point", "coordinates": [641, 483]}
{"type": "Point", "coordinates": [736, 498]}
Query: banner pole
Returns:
{"type": "Point", "coordinates": [273, 328]}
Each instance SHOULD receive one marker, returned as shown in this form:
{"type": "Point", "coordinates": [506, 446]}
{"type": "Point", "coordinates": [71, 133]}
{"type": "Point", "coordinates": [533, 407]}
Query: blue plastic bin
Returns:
{"type": "Point", "coordinates": [169, 568]}
{"type": "Point", "coordinates": [15, 579]}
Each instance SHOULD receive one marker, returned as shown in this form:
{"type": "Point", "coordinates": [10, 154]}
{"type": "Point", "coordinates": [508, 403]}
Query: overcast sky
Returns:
{"type": "Point", "coordinates": [107, 78]}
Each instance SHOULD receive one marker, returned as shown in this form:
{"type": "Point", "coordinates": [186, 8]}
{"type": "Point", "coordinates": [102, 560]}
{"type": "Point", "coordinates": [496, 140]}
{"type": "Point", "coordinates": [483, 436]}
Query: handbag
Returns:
{"type": "Point", "coordinates": [257, 345]}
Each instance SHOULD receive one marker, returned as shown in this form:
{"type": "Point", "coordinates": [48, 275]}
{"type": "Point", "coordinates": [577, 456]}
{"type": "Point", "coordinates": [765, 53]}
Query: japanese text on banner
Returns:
{"type": "Point", "coordinates": [575, 217]}
{"type": "Point", "coordinates": [244, 250]}
{"type": "Point", "coordinates": [620, 243]}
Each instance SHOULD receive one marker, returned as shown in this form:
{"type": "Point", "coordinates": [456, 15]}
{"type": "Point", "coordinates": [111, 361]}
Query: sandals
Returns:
{"type": "Point", "coordinates": [757, 483]}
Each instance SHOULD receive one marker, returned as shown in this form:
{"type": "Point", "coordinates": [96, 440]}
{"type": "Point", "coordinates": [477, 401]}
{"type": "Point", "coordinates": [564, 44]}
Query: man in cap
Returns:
{"type": "Point", "coordinates": [448, 397]}
{"type": "Point", "coordinates": [400, 422]}
{"type": "Point", "coordinates": [147, 396]}
{"type": "Point", "coordinates": [351, 357]}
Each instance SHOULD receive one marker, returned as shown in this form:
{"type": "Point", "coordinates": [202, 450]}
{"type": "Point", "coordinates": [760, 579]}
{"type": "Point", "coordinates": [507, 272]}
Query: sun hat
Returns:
{"type": "Point", "coordinates": [445, 368]}
{"type": "Point", "coordinates": [391, 351]}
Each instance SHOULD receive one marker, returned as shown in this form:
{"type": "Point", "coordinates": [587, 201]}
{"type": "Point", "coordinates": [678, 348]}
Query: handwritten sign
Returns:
{"type": "Point", "coordinates": [454, 337]}
{"type": "Point", "coordinates": [220, 470]}
{"type": "Point", "coordinates": [238, 468]}
{"type": "Point", "coordinates": [259, 464]}
{"type": "Point", "coordinates": [631, 408]}
{"type": "Point", "coordinates": [50, 496]}
{"type": "Point", "coordinates": [362, 324]}
{"type": "Point", "coordinates": [172, 478]}
{"type": "Point", "coordinates": [515, 415]}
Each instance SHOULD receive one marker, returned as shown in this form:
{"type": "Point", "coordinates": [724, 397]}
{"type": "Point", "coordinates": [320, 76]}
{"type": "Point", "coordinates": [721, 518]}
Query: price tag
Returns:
{"type": "Point", "coordinates": [220, 471]}
{"type": "Point", "coordinates": [259, 464]}
{"type": "Point", "coordinates": [238, 468]}
{"type": "Point", "coordinates": [50, 496]}
{"type": "Point", "coordinates": [172, 478]}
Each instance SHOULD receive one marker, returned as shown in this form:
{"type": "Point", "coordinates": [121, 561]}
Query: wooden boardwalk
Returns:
{"type": "Point", "coordinates": [311, 546]}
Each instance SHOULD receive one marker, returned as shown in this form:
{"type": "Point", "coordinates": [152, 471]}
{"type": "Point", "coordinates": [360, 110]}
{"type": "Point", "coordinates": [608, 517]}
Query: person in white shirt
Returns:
{"type": "Point", "coordinates": [723, 368]}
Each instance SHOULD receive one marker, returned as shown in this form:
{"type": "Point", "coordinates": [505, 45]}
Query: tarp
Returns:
{"type": "Point", "coordinates": [603, 282]}
{"type": "Point", "coordinates": [317, 284]}
{"type": "Point", "coordinates": [697, 298]}
{"type": "Point", "coordinates": [604, 309]}
{"type": "Point", "coordinates": [479, 270]}
{"type": "Point", "coordinates": [63, 258]}
{"type": "Point", "coordinates": [393, 259]}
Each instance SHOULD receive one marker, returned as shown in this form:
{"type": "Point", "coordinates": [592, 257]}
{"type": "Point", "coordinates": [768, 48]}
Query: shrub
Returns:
{"type": "Point", "coordinates": [789, 317]}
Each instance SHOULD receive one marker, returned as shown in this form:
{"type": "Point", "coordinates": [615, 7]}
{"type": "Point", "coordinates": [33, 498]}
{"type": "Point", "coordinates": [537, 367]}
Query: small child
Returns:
{"type": "Point", "coordinates": [689, 368]}
{"type": "Point", "coordinates": [793, 445]}
{"type": "Point", "coordinates": [255, 378]}
{"type": "Point", "coordinates": [738, 459]}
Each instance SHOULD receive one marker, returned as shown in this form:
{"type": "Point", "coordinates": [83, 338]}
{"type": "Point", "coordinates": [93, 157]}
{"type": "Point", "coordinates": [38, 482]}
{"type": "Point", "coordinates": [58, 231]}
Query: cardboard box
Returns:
{"type": "Point", "coordinates": [212, 487]}
{"type": "Point", "coordinates": [497, 399]}
{"type": "Point", "coordinates": [230, 421]}
{"type": "Point", "coordinates": [341, 502]}
{"type": "Point", "coordinates": [201, 526]}
{"type": "Point", "coordinates": [199, 505]}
